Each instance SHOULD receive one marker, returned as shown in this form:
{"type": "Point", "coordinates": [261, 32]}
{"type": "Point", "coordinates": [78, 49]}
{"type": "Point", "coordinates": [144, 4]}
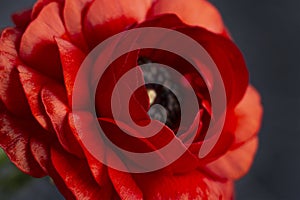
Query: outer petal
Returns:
{"type": "Point", "coordinates": [100, 174]}
{"type": "Point", "coordinates": [73, 12]}
{"type": "Point", "coordinates": [125, 185]}
{"type": "Point", "coordinates": [38, 44]}
{"type": "Point", "coordinates": [76, 175]}
{"type": "Point", "coordinates": [195, 12]}
{"type": "Point", "coordinates": [11, 91]}
{"type": "Point", "coordinates": [106, 18]}
{"type": "Point", "coordinates": [14, 139]}
{"type": "Point", "coordinates": [22, 19]}
{"type": "Point", "coordinates": [71, 59]}
{"type": "Point", "coordinates": [227, 57]}
{"type": "Point", "coordinates": [249, 116]}
{"type": "Point", "coordinates": [237, 161]}
{"type": "Point", "coordinates": [40, 148]}
{"type": "Point", "coordinates": [85, 121]}
{"type": "Point", "coordinates": [32, 83]}
{"type": "Point", "coordinates": [193, 185]}
{"type": "Point", "coordinates": [40, 4]}
{"type": "Point", "coordinates": [55, 103]}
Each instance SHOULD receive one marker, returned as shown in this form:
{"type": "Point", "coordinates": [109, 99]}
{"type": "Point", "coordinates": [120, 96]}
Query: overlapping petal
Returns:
{"type": "Point", "coordinates": [38, 44]}
{"type": "Point", "coordinates": [237, 161]}
{"type": "Point", "coordinates": [106, 18]}
{"type": "Point", "coordinates": [195, 12]}
{"type": "Point", "coordinates": [73, 12]}
{"type": "Point", "coordinates": [193, 185]}
{"type": "Point", "coordinates": [11, 90]}
{"type": "Point", "coordinates": [55, 103]}
{"type": "Point", "coordinates": [32, 83]}
{"type": "Point", "coordinates": [43, 135]}
{"type": "Point", "coordinates": [72, 170]}
{"type": "Point", "coordinates": [14, 139]}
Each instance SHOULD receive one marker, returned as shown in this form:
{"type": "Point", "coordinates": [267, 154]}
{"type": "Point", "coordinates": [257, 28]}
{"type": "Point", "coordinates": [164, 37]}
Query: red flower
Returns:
{"type": "Point", "coordinates": [40, 59]}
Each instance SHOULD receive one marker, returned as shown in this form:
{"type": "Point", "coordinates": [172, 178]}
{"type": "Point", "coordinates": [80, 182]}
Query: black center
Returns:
{"type": "Point", "coordinates": [163, 95]}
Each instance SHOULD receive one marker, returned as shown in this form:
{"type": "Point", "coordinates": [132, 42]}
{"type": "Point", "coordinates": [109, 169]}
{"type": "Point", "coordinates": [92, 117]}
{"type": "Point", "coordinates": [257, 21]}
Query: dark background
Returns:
{"type": "Point", "coordinates": [268, 33]}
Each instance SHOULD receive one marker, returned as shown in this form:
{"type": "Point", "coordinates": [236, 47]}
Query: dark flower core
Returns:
{"type": "Point", "coordinates": [166, 93]}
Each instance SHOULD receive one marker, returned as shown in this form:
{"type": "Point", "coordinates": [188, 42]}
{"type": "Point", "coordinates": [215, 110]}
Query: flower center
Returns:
{"type": "Point", "coordinates": [166, 94]}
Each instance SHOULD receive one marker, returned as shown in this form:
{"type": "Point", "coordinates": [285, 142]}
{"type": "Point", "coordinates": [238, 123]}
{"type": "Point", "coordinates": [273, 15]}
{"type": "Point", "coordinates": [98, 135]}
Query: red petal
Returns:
{"type": "Point", "coordinates": [227, 57]}
{"type": "Point", "coordinates": [139, 103]}
{"type": "Point", "coordinates": [195, 12]}
{"type": "Point", "coordinates": [236, 162]}
{"type": "Point", "coordinates": [248, 114]}
{"type": "Point", "coordinates": [193, 185]}
{"type": "Point", "coordinates": [11, 91]}
{"type": "Point", "coordinates": [41, 151]}
{"type": "Point", "coordinates": [71, 58]}
{"type": "Point", "coordinates": [76, 175]}
{"type": "Point", "coordinates": [170, 21]}
{"type": "Point", "coordinates": [222, 145]}
{"type": "Point", "coordinates": [100, 173]}
{"type": "Point", "coordinates": [116, 134]}
{"type": "Point", "coordinates": [73, 12]}
{"type": "Point", "coordinates": [112, 17]}
{"type": "Point", "coordinates": [125, 185]}
{"type": "Point", "coordinates": [54, 101]}
{"type": "Point", "coordinates": [85, 122]}
{"type": "Point", "coordinates": [224, 53]}
{"type": "Point", "coordinates": [40, 4]}
{"type": "Point", "coordinates": [14, 139]}
{"type": "Point", "coordinates": [38, 47]}
{"type": "Point", "coordinates": [83, 126]}
{"type": "Point", "coordinates": [32, 83]}
{"type": "Point", "coordinates": [22, 19]}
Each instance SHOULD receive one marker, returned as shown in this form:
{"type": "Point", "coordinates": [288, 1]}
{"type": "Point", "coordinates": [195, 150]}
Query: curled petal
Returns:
{"type": "Point", "coordinates": [248, 114]}
{"type": "Point", "coordinates": [100, 173]}
{"type": "Point", "coordinates": [41, 151]}
{"type": "Point", "coordinates": [40, 148]}
{"type": "Point", "coordinates": [139, 102]}
{"type": "Point", "coordinates": [22, 19]}
{"type": "Point", "coordinates": [106, 18]}
{"type": "Point", "coordinates": [222, 145]}
{"type": "Point", "coordinates": [125, 185]}
{"type": "Point", "coordinates": [11, 91]}
{"type": "Point", "coordinates": [14, 139]}
{"type": "Point", "coordinates": [32, 83]}
{"type": "Point", "coordinates": [55, 103]}
{"type": "Point", "coordinates": [229, 60]}
{"type": "Point", "coordinates": [76, 175]}
{"type": "Point", "coordinates": [40, 4]}
{"type": "Point", "coordinates": [195, 12]}
{"type": "Point", "coordinates": [227, 57]}
{"type": "Point", "coordinates": [71, 59]}
{"type": "Point", "coordinates": [236, 162]}
{"type": "Point", "coordinates": [38, 44]}
{"type": "Point", "coordinates": [73, 12]}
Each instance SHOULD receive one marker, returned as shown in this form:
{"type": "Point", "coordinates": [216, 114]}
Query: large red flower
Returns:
{"type": "Point", "coordinates": [39, 61]}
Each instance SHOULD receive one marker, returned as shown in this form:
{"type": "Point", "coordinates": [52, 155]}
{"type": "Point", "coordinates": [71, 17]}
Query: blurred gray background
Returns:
{"type": "Point", "coordinates": [268, 33]}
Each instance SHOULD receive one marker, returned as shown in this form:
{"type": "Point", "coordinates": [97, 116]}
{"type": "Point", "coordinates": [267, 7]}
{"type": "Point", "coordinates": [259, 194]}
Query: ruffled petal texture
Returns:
{"type": "Point", "coordinates": [44, 133]}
